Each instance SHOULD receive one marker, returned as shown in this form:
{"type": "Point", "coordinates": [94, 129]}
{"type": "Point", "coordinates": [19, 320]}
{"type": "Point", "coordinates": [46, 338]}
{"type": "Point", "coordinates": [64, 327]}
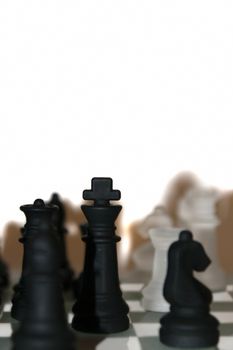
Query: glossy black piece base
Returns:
{"type": "Point", "coordinates": [100, 325]}
{"type": "Point", "coordinates": [198, 332]}
{"type": "Point", "coordinates": [50, 342]}
{"type": "Point", "coordinates": [105, 314]}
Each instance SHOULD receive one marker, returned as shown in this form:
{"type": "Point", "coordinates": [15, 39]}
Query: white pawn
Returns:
{"type": "Point", "coordinates": [161, 238]}
{"type": "Point", "coordinates": [198, 211]}
{"type": "Point", "coordinates": [144, 255]}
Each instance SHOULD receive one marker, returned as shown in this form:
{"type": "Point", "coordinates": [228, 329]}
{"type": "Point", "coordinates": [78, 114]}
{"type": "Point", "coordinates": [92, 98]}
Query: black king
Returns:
{"type": "Point", "coordinates": [100, 307]}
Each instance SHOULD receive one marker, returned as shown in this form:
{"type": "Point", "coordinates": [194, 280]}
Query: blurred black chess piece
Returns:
{"type": "Point", "coordinates": [189, 323]}
{"type": "Point", "coordinates": [44, 324]}
{"type": "Point", "coordinates": [4, 275]}
{"type": "Point", "coordinates": [4, 281]}
{"type": "Point", "coordinates": [67, 273]}
{"type": "Point", "coordinates": [77, 283]}
{"type": "Point", "coordinates": [18, 300]}
{"type": "Point", "coordinates": [100, 307]}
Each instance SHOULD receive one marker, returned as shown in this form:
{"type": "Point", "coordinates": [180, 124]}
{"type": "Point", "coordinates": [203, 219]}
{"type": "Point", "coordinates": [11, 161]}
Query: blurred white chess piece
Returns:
{"type": "Point", "coordinates": [161, 238]}
{"type": "Point", "coordinates": [197, 212]}
{"type": "Point", "coordinates": [157, 218]}
{"type": "Point", "coordinates": [144, 255]}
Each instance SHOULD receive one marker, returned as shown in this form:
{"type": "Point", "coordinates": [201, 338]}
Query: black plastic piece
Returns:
{"type": "Point", "coordinates": [4, 276]}
{"type": "Point", "coordinates": [189, 323]}
{"type": "Point", "coordinates": [77, 283]}
{"type": "Point", "coordinates": [67, 273]}
{"type": "Point", "coordinates": [100, 307]}
{"type": "Point", "coordinates": [4, 280]}
{"type": "Point", "coordinates": [18, 300]}
{"type": "Point", "coordinates": [44, 325]}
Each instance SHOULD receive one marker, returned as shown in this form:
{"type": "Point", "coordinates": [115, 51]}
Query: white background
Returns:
{"type": "Point", "coordinates": [133, 89]}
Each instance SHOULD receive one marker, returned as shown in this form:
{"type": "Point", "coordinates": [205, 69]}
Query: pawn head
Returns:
{"type": "Point", "coordinates": [185, 236]}
{"type": "Point", "coordinates": [39, 203]}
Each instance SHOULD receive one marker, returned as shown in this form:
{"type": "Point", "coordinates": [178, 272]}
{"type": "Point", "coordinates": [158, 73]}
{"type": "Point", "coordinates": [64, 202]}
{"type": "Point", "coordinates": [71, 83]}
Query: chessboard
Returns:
{"type": "Point", "coordinates": [144, 329]}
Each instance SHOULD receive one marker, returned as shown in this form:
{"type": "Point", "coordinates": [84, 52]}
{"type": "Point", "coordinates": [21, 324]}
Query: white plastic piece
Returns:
{"type": "Point", "coordinates": [161, 238]}
{"type": "Point", "coordinates": [198, 211]}
{"type": "Point", "coordinates": [144, 255]}
{"type": "Point", "coordinates": [157, 218]}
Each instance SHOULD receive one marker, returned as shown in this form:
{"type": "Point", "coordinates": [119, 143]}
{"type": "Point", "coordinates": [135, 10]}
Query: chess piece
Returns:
{"type": "Point", "coordinates": [158, 218]}
{"type": "Point", "coordinates": [161, 239]}
{"type": "Point", "coordinates": [4, 283]}
{"type": "Point", "coordinates": [144, 255]}
{"type": "Point", "coordinates": [18, 300]}
{"type": "Point", "coordinates": [197, 211]}
{"type": "Point", "coordinates": [77, 283]}
{"type": "Point", "coordinates": [189, 323]}
{"type": "Point", "coordinates": [44, 325]}
{"type": "Point", "coordinates": [4, 276]}
{"type": "Point", "coordinates": [100, 307]}
{"type": "Point", "coordinates": [59, 222]}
